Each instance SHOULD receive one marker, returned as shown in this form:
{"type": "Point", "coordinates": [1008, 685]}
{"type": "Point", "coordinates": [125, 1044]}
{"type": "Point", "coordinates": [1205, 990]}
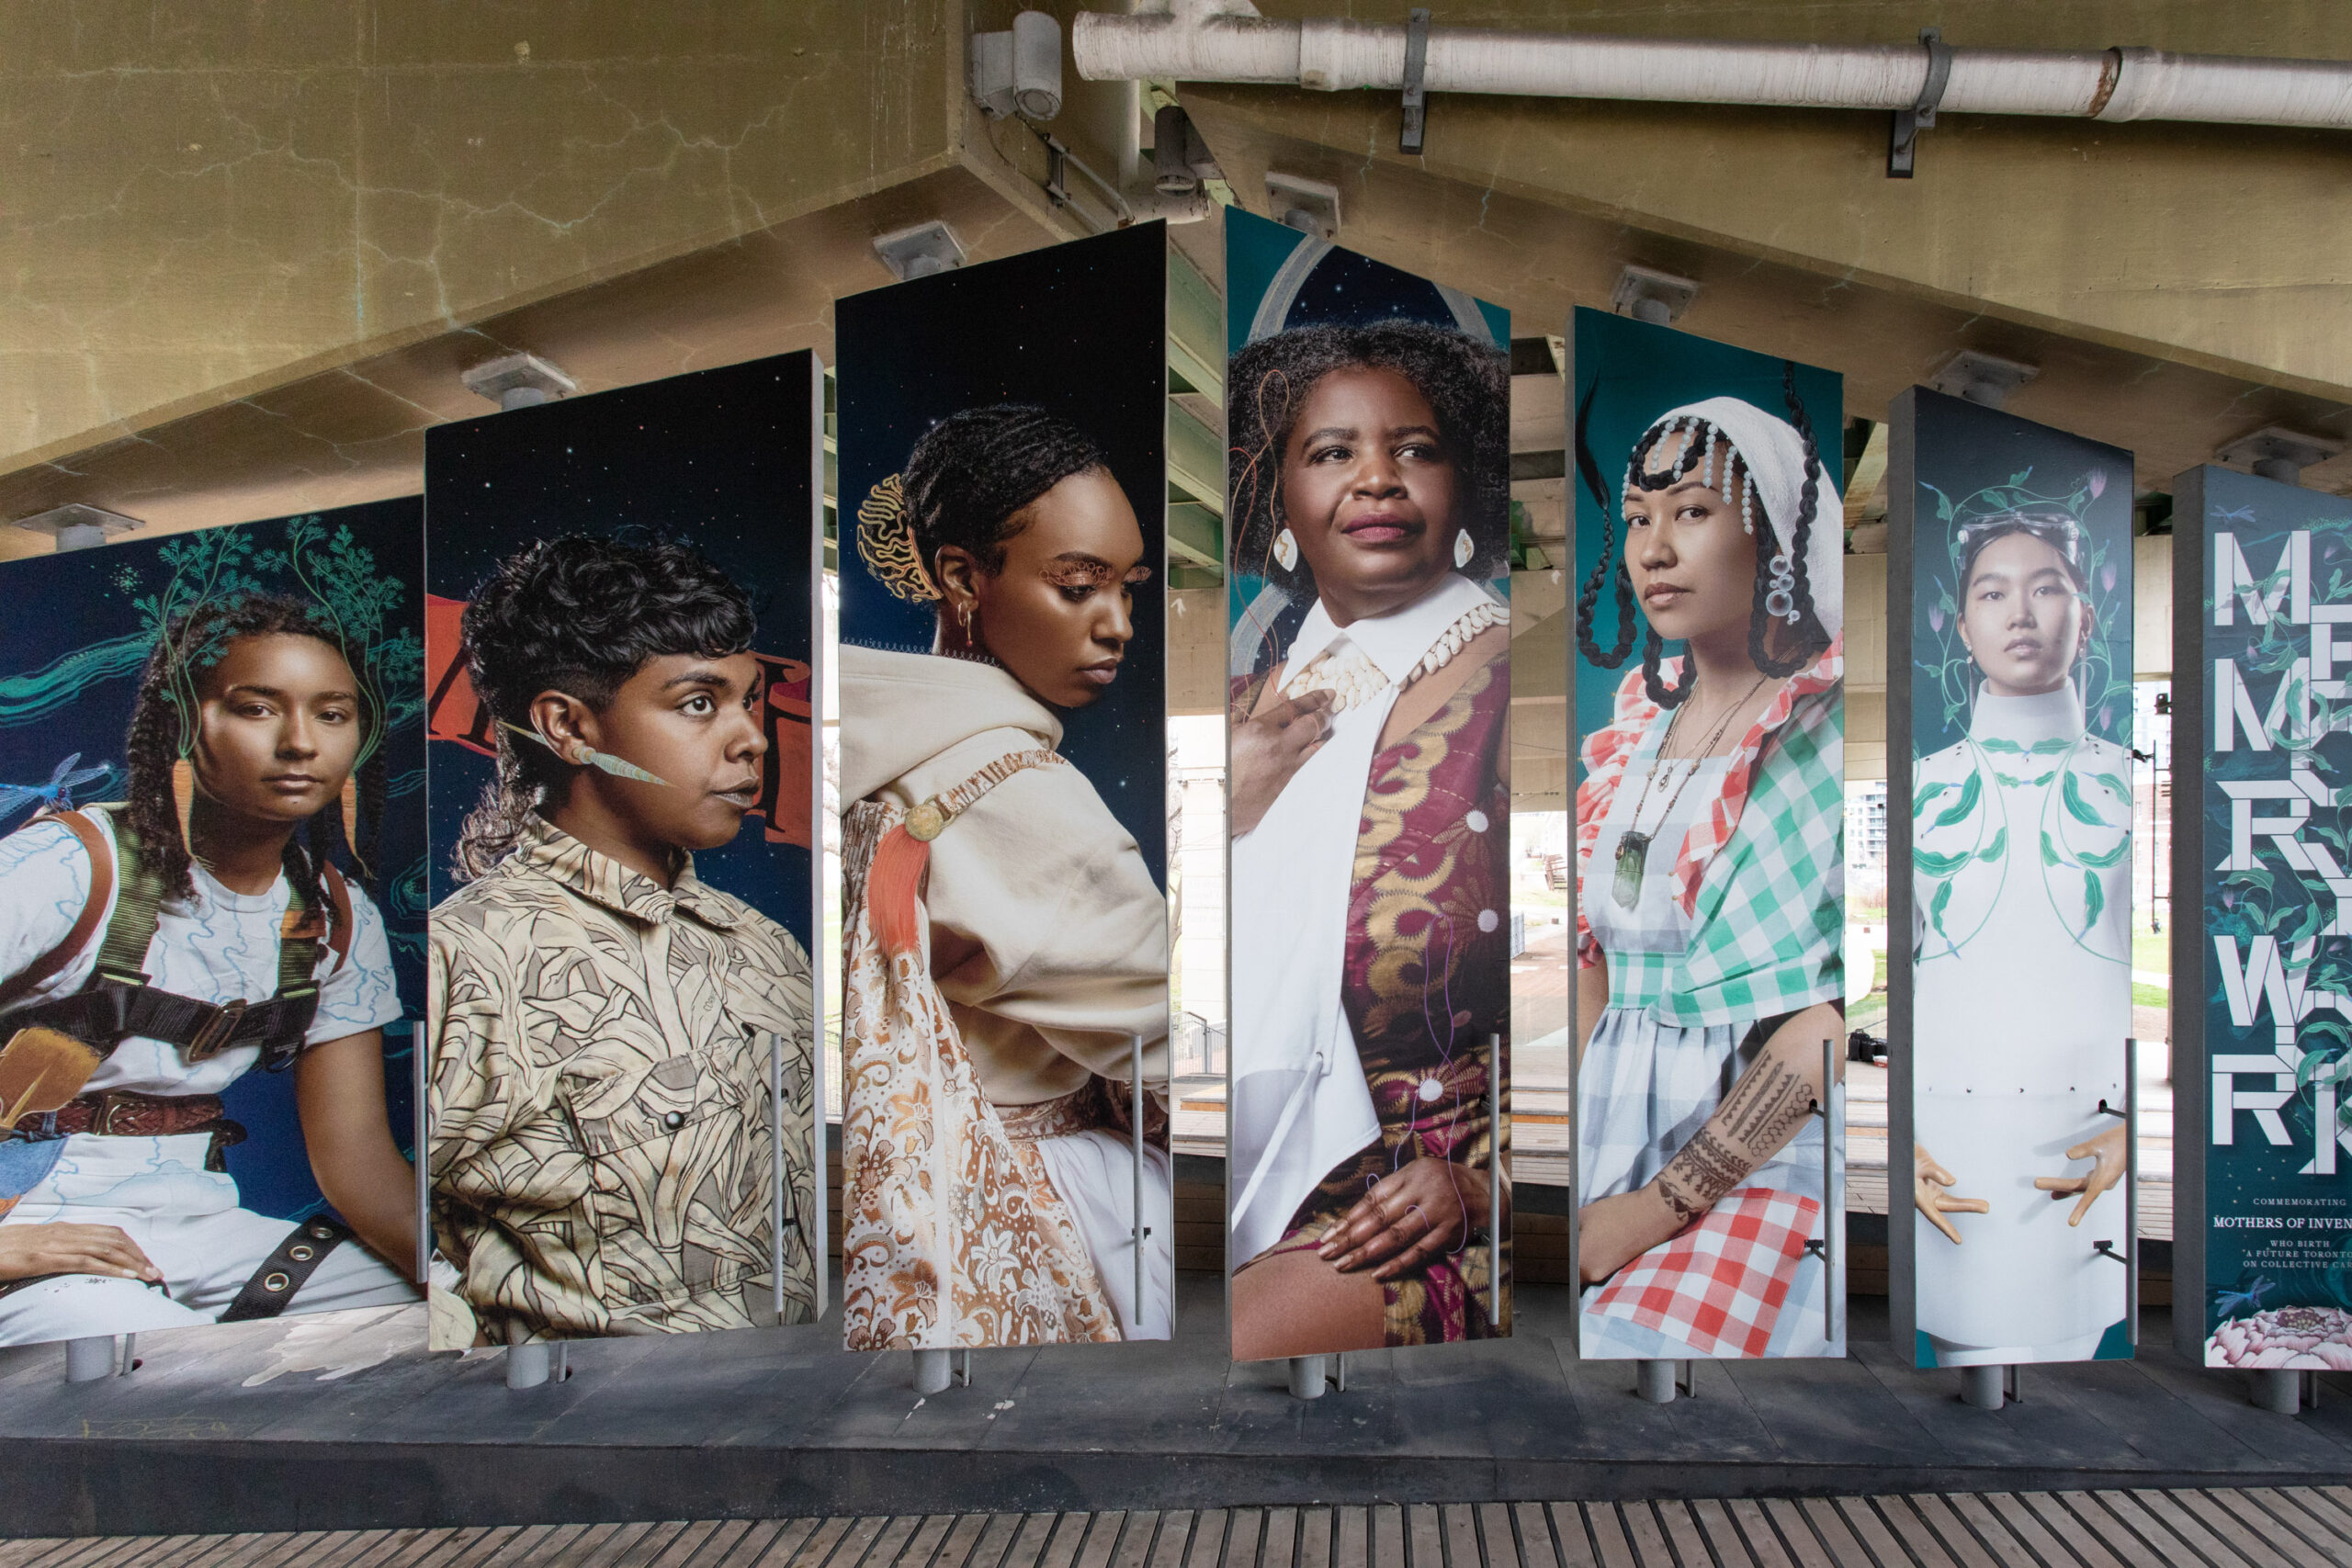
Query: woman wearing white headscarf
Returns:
{"type": "Point", "coordinates": [1710, 897]}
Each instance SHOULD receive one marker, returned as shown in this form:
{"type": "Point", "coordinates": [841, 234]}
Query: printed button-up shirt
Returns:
{"type": "Point", "coordinates": [602, 1140]}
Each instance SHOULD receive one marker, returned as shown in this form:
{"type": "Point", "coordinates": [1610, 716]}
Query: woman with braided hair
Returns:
{"type": "Point", "coordinates": [1710, 910]}
{"type": "Point", "coordinates": [154, 951]}
{"type": "Point", "coordinates": [1371, 829]}
{"type": "Point", "coordinates": [1006, 942]}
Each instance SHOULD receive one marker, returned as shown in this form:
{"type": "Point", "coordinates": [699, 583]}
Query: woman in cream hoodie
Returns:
{"type": "Point", "coordinates": [1004, 939]}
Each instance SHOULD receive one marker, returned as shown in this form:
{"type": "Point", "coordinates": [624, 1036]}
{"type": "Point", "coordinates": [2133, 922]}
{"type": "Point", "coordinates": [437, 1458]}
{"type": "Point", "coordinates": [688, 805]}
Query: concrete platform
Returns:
{"type": "Point", "coordinates": [345, 1424]}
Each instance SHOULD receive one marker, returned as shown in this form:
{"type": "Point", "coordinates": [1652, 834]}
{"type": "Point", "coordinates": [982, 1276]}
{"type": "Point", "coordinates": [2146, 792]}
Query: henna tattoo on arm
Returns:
{"type": "Point", "coordinates": [1768, 1104]}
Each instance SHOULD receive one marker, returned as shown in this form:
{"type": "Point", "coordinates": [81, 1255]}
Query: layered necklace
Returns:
{"type": "Point", "coordinates": [1633, 849]}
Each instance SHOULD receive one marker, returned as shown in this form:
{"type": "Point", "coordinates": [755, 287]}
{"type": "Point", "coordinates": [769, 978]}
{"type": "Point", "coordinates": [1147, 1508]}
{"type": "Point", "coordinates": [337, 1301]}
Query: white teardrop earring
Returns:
{"type": "Point", "coordinates": [1463, 549]}
{"type": "Point", "coordinates": [1286, 550]}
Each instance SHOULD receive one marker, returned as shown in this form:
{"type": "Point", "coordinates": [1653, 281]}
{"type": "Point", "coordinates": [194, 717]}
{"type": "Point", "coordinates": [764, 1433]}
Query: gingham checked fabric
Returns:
{"type": "Point", "coordinates": [1607, 751]}
{"type": "Point", "coordinates": [1718, 1287]}
{"type": "Point", "coordinates": [1768, 854]}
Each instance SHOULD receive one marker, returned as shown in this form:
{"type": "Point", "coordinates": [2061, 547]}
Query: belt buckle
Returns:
{"type": "Point", "coordinates": [103, 1123]}
{"type": "Point", "coordinates": [213, 1038]}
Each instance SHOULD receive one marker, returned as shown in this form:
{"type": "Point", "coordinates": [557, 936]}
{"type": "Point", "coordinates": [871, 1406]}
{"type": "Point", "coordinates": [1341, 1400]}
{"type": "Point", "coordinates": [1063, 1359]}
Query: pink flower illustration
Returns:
{"type": "Point", "coordinates": [1936, 619]}
{"type": "Point", "coordinates": [2294, 1337]}
{"type": "Point", "coordinates": [2106, 578]}
{"type": "Point", "coordinates": [2098, 483]}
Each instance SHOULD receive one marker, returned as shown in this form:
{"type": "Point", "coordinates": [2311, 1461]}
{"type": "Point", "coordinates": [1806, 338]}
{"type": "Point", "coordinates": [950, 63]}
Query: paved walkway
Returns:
{"type": "Point", "coordinates": [2255, 1529]}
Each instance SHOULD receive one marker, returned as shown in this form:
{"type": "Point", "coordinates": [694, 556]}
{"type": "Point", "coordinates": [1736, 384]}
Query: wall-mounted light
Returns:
{"type": "Point", "coordinates": [1648, 295]}
{"type": "Point", "coordinates": [2274, 452]}
{"type": "Point", "coordinates": [1985, 378]}
{"type": "Point", "coordinates": [921, 251]}
{"type": "Point", "coordinates": [78, 526]}
{"type": "Point", "coordinates": [1311, 206]}
{"type": "Point", "coordinates": [1019, 72]}
{"type": "Point", "coordinates": [518, 381]}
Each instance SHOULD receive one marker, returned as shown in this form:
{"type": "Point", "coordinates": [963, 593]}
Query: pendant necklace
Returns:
{"type": "Point", "coordinates": [1633, 849]}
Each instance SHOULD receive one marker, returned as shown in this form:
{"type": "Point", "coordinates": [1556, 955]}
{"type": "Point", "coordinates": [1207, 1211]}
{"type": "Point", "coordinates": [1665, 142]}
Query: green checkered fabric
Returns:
{"type": "Point", "coordinates": [1770, 922]}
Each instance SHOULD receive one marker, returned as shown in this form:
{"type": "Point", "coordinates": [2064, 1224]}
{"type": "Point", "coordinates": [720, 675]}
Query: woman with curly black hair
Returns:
{"type": "Point", "coordinates": [1710, 905]}
{"type": "Point", "coordinates": [602, 1021]}
{"type": "Point", "coordinates": [156, 951]}
{"type": "Point", "coordinates": [1371, 826]}
{"type": "Point", "coordinates": [1007, 948]}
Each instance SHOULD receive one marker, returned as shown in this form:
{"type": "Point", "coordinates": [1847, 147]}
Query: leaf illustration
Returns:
{"type": "Point", "coordinates": [2049, 855]}
{"type": "Point", "coordinates": [2094, 900]}
{"type": "Point", "coordinates": [1969, 793]}
{"type": "Point", "coordinates": [2105, 858]}
{"type": "Point", "coordinates": [1997, 848]}
{"type": "Point", "coordinates": [1935, 865]}
{"type": "Point", "coordinates": [2077, 806]}
{"type": "Point", "coordinates": [1926, 794]}
{"type": "Point", "coordinates": [1936, 908]}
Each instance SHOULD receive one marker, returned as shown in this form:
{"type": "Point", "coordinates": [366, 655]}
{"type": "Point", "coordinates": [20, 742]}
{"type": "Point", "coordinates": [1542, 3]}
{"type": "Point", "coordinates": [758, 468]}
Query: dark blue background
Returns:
{"type": "Point", "coordinates": [719, 459]}
{"type": "Point", "coordinates": [1077, 329]}
{"type": "Point", "coordinates": [68, 674]}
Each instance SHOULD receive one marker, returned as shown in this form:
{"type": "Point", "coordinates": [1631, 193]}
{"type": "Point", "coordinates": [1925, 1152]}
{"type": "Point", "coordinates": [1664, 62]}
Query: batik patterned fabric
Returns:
{"type": "Point", "coordinates": [1426, 982]}
{"type": "Point", "coordinates": [602, 1142]}
{"type": "Point", "coordinates": [1718, 1287]}
{"type": "Point", "coordinates": [1768, 848]}
{"type": "Point", "coordinates": [952, 1232]}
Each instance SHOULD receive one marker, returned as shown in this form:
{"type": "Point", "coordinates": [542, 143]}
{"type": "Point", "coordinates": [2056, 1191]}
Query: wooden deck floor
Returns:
{"type": "Point", "coordinates": [2255, 1528]}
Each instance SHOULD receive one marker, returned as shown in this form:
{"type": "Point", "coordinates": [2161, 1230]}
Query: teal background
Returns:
{"type": "Point", "coordinates": [1632, 372]}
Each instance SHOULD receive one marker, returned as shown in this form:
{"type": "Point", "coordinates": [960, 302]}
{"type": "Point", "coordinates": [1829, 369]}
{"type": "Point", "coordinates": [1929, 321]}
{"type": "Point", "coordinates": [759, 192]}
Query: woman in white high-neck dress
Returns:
{"type": "Point", "coordinates": [2023, 874]}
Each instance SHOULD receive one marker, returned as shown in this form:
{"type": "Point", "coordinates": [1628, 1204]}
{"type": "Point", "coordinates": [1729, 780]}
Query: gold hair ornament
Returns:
{"type": "Point", "coordinates": [886, 540]}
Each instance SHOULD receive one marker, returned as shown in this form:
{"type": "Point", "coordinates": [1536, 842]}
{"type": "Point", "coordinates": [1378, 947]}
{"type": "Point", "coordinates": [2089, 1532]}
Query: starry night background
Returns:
{"type": "Point", "coordinates": [1079, 329]}
{"type": "Point", "coordinates": [68, 676]}
{"type": "Point", "coordinates": [719, 459]}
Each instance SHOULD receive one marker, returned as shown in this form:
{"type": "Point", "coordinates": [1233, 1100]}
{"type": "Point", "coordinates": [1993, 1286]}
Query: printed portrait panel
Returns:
{"type": "Point", "coordinates": [1710, 887]}
{"type": "Point", "coordinates": [2009, 598]}
{"type": "Point", "coordinates": [621, 1013]}
{"type": "Point", "coordinates": [1006, 1177]}
{"type": "Point", "coordinates": [211, 925]}
{"type": "Point", "coordinates": [1368, 532]}
{"type": "Point", "coordinates": [2262, 736]}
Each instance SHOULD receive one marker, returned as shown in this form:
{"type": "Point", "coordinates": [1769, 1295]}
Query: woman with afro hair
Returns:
{"type": "Point", "coordinates": [153, 952]}
{"type": "Point", "coordinates": [1710, 891]}
{"type": "Point", "coordinates": [1006, 943]}
{"type": "Point", "coordinates": [1371, 830]}
{"type": "Point", "coordinates": [604, 1143]}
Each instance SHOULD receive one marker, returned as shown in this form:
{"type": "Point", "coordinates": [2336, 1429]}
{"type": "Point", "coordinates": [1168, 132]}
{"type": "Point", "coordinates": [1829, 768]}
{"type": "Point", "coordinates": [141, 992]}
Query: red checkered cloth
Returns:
{"type": "Point", "coordinates": [1719, 1286]}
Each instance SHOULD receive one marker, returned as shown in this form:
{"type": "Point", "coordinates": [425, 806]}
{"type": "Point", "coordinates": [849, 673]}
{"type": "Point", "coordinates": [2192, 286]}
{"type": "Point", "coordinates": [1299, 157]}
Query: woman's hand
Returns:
{"type": "Point", "coordinates": [1612, 1232]}
{"type": "Point", "coordinates": [28, 1250]}
{"type": "Point", "coordinates": [1409, 1216]}
{"type": "Point", "coordinates": [2109, 1151]}
{"type": "Point", "coordinates": [1927, 1182]}
{"type": "Point", "coordinates": [1268, 747]}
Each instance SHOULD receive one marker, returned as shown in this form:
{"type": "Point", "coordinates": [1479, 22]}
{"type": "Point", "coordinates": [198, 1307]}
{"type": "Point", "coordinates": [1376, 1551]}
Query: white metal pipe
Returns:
{"type": "Point", "coordinates": [1335, 54]}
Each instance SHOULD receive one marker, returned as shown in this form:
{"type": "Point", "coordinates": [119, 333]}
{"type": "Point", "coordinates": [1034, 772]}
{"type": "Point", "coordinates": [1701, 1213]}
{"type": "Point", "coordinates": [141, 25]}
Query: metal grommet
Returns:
{"type": "Point", "coordinates": [319, 1233]}
{"type": "Point", "coordinates": [674, 1120]}
{"type": "Point", "coordinates": [301, 1254]}
{"type": "Point", "coordinates": [275, 1282]}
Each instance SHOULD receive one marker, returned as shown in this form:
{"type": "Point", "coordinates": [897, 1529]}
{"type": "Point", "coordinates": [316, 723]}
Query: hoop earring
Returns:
{"type": "Point", "coordinates": [1463, 549]}
{"type": "Point", "coordinates": [1286, 550]}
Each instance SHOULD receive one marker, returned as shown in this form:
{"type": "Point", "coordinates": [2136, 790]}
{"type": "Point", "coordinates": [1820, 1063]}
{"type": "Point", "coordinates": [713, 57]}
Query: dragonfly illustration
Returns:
{"type": "Point", "coordinates": [57, 794]}
{"type": "Point", "coordinates": [2229, 1304]}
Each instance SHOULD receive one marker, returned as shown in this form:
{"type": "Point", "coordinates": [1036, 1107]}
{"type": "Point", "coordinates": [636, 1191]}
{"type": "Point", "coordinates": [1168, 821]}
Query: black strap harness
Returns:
{"type": "Point", "coordinates": [117, 1002]}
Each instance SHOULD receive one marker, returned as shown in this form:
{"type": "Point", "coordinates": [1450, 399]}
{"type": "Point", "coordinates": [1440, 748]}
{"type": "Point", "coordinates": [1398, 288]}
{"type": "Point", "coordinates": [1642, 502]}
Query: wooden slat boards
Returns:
{"type": "Point", "coordinates": [2257, 1527]}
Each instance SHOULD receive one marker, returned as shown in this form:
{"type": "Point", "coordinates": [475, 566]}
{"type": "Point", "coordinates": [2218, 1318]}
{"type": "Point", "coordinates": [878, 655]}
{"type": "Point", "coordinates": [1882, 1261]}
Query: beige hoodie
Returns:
{"type": "Point", "coordinates": [1073, 934]}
